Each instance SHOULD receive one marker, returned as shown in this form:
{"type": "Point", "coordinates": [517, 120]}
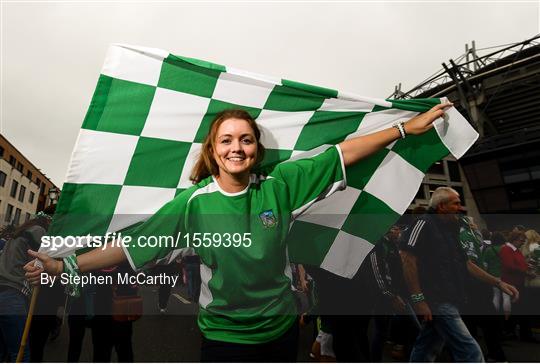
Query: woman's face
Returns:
{"type": "Point", "coordinates": [235, 148]}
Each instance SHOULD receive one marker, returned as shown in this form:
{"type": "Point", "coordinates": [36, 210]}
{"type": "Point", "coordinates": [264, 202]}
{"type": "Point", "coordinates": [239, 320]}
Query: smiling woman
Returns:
{"type": "Point", "coordinates": [230, 150]}
{"type": "Point", "coordinates": [247, 309]}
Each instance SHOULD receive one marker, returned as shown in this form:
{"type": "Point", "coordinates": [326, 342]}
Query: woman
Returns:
{"type": "Point", "coordinates": [14, 289]}
{"type": "Point", "coordinates": [531, 252]}
{"type": "Point", "coordinates": [247, 310]}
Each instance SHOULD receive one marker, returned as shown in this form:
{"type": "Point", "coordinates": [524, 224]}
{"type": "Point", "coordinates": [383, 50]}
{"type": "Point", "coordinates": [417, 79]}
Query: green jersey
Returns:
{"type": "Point", "coordinates": [493, 260]}
{"type": "Point", "coordinates": [240, 237]}
{"type": "Point", "coordinates": [471, 242]}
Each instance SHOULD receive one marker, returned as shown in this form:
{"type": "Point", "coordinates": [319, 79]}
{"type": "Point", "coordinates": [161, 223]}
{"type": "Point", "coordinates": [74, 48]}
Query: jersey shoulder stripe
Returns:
{"type": "Point", "coordinates": [416, 232]}
{"type": "Point", "coordinates": [208, 188]}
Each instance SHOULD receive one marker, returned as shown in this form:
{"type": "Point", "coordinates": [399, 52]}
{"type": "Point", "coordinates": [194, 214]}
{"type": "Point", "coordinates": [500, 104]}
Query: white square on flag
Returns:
{"type": "Point", "coordinates": [383, 182]}
{"type": "Point", "coordinates": [191, 158]}
{"type": "Point", "coordinates": [135, 202]}
{"type": "Point", "coordinates": [286, 127]}
{"type": "Point", "coordinates": [334, 210]}
{"type": "Point", "coordinates": [175, 115]}
{"type": "Point", "coordinates": [346, 254]}
{"type": "Point", "coordinates": [241, 90]}
{"type": "Point", "coordinates": [102, 157]}
{"type": "Point", "coordinates": [135, 64]}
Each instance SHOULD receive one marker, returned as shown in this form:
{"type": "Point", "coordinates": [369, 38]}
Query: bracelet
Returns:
{"type": "Point", "coordinates": [72, 269]}
{"type": "Point", "coordinates": [399, 126]}
{"type": "Point", "coordinates": [416, 298]}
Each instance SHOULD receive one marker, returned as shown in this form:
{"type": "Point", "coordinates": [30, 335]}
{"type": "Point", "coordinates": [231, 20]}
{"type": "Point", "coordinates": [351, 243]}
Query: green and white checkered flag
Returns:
{"type": "Point", "coordinates": [151, 111]}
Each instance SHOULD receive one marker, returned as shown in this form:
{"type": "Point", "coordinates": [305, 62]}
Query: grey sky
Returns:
{"type": "Point", "coordinates": [52, 52]}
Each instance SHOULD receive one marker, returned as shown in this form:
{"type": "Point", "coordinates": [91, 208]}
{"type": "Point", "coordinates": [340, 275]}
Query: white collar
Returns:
{"type": "Point", "coordinates": [511, 246]}
{"type": "Point", "coordinates": [252, 179]}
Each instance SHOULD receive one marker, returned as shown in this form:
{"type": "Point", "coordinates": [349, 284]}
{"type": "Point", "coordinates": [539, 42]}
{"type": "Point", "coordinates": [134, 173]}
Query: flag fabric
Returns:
{"type": "Point", "coordinates": [151, 111]}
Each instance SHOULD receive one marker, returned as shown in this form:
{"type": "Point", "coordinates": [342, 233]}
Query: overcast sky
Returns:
{"type": "Point", "coordinates": [52, 52]}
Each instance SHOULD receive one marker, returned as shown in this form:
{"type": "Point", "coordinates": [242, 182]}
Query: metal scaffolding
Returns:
{"type": "Point", "coordinates": [498, 88]}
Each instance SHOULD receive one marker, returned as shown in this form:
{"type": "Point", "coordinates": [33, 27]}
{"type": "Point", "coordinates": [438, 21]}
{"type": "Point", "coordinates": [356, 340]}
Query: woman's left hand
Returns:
{"type": "Point", "coordinates": [423, 122]}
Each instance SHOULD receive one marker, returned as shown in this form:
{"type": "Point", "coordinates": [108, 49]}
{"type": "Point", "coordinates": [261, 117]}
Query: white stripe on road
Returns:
{"type": "Point", "coordinates": [181, 299]}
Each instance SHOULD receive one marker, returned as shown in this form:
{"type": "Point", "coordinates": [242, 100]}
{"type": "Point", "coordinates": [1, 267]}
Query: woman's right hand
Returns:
{"type": "Point", "coordinates": [51, 266]}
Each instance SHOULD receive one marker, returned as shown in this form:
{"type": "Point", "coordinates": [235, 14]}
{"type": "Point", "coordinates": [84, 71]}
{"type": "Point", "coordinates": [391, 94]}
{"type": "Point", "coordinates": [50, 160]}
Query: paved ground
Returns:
{"type": "Point", "coordinates": [174, 337]}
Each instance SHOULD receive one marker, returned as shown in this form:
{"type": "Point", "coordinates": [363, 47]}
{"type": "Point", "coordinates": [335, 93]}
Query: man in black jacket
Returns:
{"type": "Point", "coordinates": [436, 269]}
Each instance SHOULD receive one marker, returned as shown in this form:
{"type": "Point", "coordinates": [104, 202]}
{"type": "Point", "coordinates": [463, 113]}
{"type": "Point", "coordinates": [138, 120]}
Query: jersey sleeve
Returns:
{"type": "Point", "coordinates": [414, 239]}
{"type": "Point", "coordinates": [378, 268]}
{"type": "Point", "coordinates": [312, 179]}
{"type": "Point", "coordinates": [161, 238]}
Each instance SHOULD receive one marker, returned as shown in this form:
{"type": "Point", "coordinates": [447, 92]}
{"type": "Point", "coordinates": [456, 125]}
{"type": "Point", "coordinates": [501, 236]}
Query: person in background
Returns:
{"type": "Point", "coordinates": [501, 302]}
{"type": "Point", "coordinates": [45, 322]}
{"type": "Point", "coordinates": [108, 331]}
{"type": "Point", "coordinates": [345, 307]}
{"type": "Point", "coordinates": [388, 274]}
{"type": "Point", "coordinates": [15, 291]}
{"type": "Point", "coordinates": [192, 264]}
{"type": "Point", "coordinates": [164, 290]}
{"type": "Point", "coordinates": [479, 311]}
{"type": "Point", "coordinates": [436, 268]}
{"type": "Point", "coordinates": [514, 271]}
{"type": "Point", "coordinates": [531, 252]}
{"type": "Point", "coordinates": [486, 239]}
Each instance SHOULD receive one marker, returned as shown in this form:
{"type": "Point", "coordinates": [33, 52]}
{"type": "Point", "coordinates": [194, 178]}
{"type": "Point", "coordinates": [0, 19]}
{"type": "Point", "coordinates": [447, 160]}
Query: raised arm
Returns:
{"type": "Point", "coordinates": [358, 148]}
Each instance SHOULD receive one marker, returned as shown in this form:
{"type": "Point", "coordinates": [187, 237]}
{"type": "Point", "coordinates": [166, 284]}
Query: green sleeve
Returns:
{"type": "Point", "coordinates": [311, 179]}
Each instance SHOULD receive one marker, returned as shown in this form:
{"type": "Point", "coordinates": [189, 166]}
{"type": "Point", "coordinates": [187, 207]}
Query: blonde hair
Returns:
{"type": "Point", "coordinates": [206, 165]}
{"type": "Point", "coordinates": [532, 237]}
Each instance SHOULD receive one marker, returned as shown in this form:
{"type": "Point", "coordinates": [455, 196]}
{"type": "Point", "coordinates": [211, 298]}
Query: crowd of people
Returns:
{"type": "Point", "coordinates": [418, 284]}
{"type": "Point", "coordinates": [106, 311]}
{"type": "Point", "coordinates": [433, 284]}
{"type": "Point", "coordinates": [352, 319]}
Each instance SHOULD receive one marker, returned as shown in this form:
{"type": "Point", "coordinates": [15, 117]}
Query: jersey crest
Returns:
{"type": "Point", "coordinates": [268, 219]}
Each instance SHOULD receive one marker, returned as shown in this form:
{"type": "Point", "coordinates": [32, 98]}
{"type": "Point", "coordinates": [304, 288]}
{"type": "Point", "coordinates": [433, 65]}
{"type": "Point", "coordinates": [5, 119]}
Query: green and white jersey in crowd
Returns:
{"type": "Point", "coordinates": [471, 242]}
{"type": "Point", "coordinates": [245, 292]}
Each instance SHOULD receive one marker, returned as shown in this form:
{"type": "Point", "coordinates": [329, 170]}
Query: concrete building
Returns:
{"type": "Point", "coordinates": [23, 187]}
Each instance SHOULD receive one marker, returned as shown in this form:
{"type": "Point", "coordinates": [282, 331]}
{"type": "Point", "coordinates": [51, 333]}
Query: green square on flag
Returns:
{"type": "Point", "coordinates": [214, 108]}
{"type": "Point", "coordinates": [369, 218]}
{"type": "Point", "coordinates": [119, 106]}
{"type": "Point", "coordinates": [85, 209]}
{"type": "Point", "coordinates": [157, 163]}
{"type": "Point", "coordinates": [285, 98]}
{"type": "Point", "coordinates": [358, 175]}
{"type": "Point", "coordinates": [328, 127]}
{"type": "Point", "coordinates": [419, 150]}
{"type": "Point", "coordinates": [323, 237]}
{"type": "Point", "coordinates": [180, 75]}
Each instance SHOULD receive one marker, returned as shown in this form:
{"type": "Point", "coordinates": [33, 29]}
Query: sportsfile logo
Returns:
{"type": "Point", "coordinates": [180, 240]}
